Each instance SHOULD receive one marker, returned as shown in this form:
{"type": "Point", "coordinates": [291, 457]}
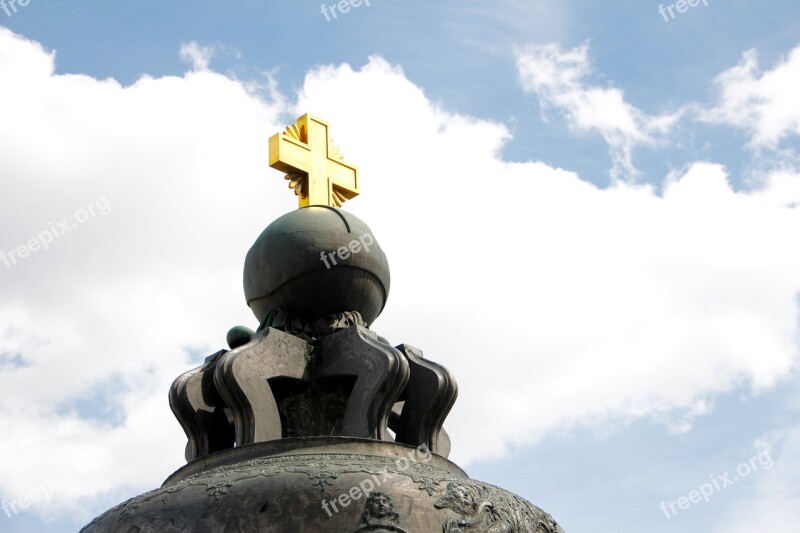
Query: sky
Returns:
{"type": "Point", "coordinates": [591, 212]}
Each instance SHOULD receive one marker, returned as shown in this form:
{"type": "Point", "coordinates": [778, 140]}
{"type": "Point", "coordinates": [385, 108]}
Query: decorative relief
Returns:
{"type": "Point", "coordinates": [473, 511]}
{"type": "Point", "coordinates": [460, 504]}
{"type": "Point", "coordinates": [470, 506]}
{"type": "Point", "coordinates": [320, 469]}
{"type": "Point", "coordinates": [311, 330]}
{"type": "Point", "coordinates": [379, 514]}
{"type": "Point", "coordinates": [482, 508]}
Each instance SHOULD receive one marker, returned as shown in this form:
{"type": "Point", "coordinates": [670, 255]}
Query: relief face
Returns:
{"type": "Point", "coordinates": [379, 514]}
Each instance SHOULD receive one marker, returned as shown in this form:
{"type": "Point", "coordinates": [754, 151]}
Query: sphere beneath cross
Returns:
{"type": "Point", "coordinates": [314, 262]}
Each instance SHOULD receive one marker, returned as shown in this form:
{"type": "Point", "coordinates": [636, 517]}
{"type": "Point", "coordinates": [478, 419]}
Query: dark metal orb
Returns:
{"type": "Point", "coordinates": [314, 262]}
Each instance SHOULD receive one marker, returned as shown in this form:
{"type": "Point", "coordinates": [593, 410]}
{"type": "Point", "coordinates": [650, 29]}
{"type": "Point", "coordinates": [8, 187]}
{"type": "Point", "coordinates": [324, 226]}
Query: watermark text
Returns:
{"type": "Point", "coordinates": [681, 6]}
{"type": "Point", "coordinates": [371, 483]}
{"type": "Point", "coordinates": [718, 483]}
{"type": "Point", "coordinates": [43, 493]}
{"type": "Point", "coordinates": [10, 6]}
{"type": "Point", "coordinates": [344, 6]}
{"type": "Point", "coordinates": [54, 231]}
{"type": "Point", "coordinates": [343, 252]}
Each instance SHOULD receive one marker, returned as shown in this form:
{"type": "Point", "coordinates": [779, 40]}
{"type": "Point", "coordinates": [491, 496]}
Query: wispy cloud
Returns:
{"type": "Point", "coordinates": [199, 57]}
{"type": "Point", "coordinates": [559, 78]}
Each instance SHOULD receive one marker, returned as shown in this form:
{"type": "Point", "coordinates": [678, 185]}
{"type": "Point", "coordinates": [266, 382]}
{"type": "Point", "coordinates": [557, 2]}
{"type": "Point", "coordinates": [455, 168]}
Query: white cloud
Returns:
{"type": "Point", "coordinates": [553, 301]}
{"type": "Point", "coordinates": [558, 78]}
{"type": "Point", "coordinates": [763, 103]}
{"type": "Point", "coordinates": [121, 300]}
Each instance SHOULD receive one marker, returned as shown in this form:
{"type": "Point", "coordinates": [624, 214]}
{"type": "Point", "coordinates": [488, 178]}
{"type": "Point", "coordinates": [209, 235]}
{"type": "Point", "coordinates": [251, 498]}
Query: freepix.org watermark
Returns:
{"type": "Point", "coordinates": [10, 6]}
{"type": "Point", "coordinates": [343, 252]}
{"type": "Point", "coordinates": [371, 483]}
{"type": "Point", "coordinates": [43, 493]}
{"type": "Point", "coordinates": [55, 231]}
{"type": "Point", "coordinates": [681, 6]}
{"type": "Point", "coordinates": [343, 6]}
{"type": "Point", "coordinates": [718, 483]}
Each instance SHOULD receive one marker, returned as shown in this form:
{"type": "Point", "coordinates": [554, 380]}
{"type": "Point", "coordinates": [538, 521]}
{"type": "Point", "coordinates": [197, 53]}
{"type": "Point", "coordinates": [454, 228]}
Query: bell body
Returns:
{"type": "Point", "coordinates": [322, 484]}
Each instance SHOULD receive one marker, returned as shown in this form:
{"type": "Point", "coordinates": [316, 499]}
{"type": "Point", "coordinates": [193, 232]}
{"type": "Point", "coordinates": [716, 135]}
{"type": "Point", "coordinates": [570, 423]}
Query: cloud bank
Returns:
{"type": "Point", "coordinates": [553, 301]}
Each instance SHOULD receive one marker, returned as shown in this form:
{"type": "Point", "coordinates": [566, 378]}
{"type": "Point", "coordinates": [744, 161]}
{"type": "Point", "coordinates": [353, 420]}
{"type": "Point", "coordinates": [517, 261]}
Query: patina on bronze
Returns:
{"type": "Point", "coordinates": [314, 262]}
{"type": "Point", "coordinates": [314, 422]}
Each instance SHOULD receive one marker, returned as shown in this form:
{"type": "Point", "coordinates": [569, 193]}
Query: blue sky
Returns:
{"type": "Point", "coordinates": [633, 184]}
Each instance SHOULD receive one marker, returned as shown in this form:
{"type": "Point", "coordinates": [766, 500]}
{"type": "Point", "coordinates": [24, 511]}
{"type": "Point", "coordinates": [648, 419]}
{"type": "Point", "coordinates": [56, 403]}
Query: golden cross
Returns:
{"type": "Point", "coordinates": [315, 169]}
